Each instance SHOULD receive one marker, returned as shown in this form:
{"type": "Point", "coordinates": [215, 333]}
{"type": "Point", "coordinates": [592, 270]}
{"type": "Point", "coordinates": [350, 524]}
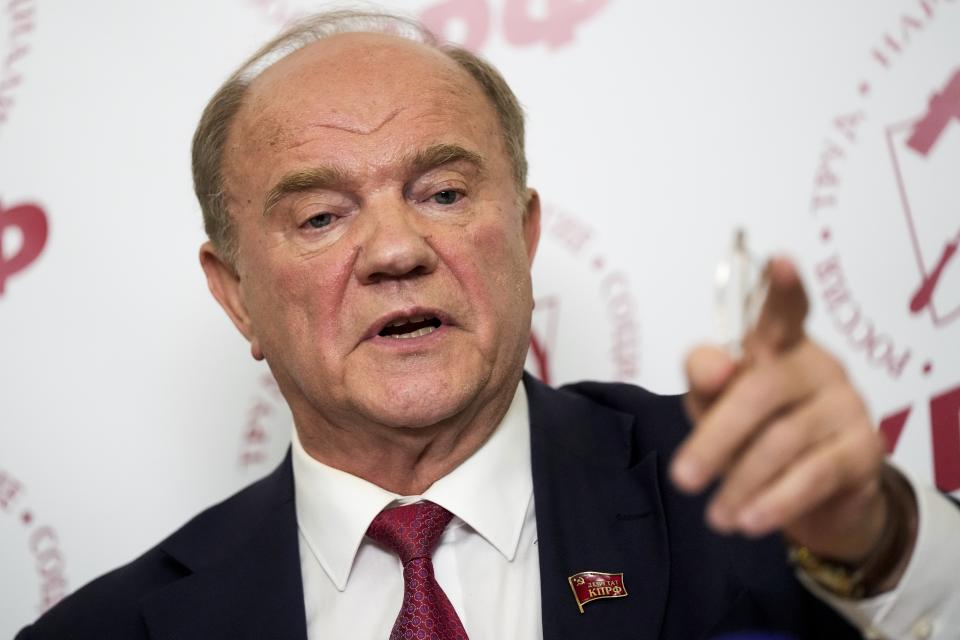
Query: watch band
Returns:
{"type": "Point", "coordinates": [863, 579]}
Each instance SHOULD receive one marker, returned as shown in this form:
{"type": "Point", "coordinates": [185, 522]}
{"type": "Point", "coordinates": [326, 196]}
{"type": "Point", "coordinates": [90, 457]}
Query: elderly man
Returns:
{"type": "Point", "coordinates": [371, 235]}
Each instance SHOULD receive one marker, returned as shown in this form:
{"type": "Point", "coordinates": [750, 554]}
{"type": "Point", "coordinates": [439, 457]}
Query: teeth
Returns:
{"type": "Point", "coordinates": [401, 321]}
{"type": "Point", "coordinates": [413, 334]}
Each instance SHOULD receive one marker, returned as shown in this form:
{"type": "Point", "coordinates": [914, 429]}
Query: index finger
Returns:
{"type": "Point", "coordinates": [780, 323]}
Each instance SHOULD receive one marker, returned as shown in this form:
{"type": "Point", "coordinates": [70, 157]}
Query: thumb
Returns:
{"type": "Point", "coordinates": [780, 323]}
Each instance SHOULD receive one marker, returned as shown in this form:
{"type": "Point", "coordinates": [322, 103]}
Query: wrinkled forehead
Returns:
{"type": "Point", "coordinates": [356, 82]}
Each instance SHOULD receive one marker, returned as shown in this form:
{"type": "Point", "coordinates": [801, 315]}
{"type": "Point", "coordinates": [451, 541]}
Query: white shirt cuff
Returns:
{"type": "Point", "coordinates": [925, 605]}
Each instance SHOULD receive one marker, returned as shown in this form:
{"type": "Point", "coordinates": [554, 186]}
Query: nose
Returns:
{"type": "Point", "coordinates": [393, 244]}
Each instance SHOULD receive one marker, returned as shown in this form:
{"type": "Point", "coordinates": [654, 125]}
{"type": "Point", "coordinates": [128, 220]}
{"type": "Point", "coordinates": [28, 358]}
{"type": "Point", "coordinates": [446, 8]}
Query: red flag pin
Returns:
{"type": "Point", "coordinates": [588, 586]}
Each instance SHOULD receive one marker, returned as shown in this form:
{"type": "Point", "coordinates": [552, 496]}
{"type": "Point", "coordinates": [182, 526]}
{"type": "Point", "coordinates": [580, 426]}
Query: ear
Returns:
{"type": "Point", "coordinates": [531, 224]}
{"type": "Point", "coordinates": [224, 283]}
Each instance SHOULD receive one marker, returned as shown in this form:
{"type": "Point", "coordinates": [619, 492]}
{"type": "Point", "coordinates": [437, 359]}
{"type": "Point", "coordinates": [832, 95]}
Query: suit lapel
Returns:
{"type": "Point", "coordinates": [597, 505]}
{"type": "Point", "coordinates": [245, 563]}
{"type": "Point", "coordinates": [598, 509]}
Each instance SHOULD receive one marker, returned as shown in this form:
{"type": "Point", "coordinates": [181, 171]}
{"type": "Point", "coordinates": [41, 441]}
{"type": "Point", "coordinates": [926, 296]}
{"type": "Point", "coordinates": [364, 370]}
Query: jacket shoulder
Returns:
{"type": "Point", "coordinates": [624, 397]}
{"type": "Point", "coordinates": [109, 606]}
{"type": "Point", "coordinates": [661, 420]}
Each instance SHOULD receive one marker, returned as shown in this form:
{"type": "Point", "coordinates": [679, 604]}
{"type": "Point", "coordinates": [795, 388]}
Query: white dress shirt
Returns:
{"type": "Point", "coordinates": [926, 603]}
{"type": "Point", "coordinates": [353, 587]}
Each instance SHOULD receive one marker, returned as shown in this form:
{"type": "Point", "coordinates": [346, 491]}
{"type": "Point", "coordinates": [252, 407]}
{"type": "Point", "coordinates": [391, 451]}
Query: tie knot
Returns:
{"type": "Point", "coordinates": [411, 531]}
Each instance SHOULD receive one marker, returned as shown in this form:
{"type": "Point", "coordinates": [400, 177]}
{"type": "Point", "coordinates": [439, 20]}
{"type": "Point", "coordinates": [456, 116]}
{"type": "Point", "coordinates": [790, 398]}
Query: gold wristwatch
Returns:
{"type": "Point", "coordinates": [863, 579]}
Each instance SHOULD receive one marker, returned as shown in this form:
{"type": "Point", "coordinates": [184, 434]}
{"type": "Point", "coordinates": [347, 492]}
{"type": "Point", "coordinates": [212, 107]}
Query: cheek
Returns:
{"type": "Point", "coordinates": [489, 259]}
{"type": "Point", "coordinates": [295, 298]}
{"type": "Point", "coordinates": [503, 252]}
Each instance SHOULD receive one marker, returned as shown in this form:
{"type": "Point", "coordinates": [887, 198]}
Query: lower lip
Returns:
{"type": "Point", "coordinates": [410, 344]}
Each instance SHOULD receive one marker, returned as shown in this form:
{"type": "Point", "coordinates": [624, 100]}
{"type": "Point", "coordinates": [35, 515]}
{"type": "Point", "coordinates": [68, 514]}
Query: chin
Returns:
{"type": "Point", "coordinates": [421, 403]}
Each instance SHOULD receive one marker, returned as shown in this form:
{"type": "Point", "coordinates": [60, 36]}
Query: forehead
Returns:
{"type": "Point", "coordinates": [356, 84]}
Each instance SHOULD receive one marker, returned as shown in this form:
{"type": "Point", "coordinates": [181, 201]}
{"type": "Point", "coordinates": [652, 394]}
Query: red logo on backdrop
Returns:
{"type": "Point", "coordinates": [594, 585]}
{"type": "Point", "coordinates": [581, 296]}
{"type": "Point", "coordinates": [554, 26]}
{"type": "Point", "coordinates": [942, 301]}
{"type": "Point", "coordinates": [20, 22]}
{"type": "Point", "coordinates": [29, 222]}
{"type": "Point", "coordinates": [266, 416]}
{"type": "Point", "coordinates": [470, 22]}
{"type": "Point", "coordinates": [889, 166]}
{"type": "Point", "coordinates": [42, 543]}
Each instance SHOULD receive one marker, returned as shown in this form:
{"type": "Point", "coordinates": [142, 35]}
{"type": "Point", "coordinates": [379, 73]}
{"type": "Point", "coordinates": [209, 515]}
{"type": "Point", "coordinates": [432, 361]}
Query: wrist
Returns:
{"type": "Point", "coordinates": [880, 568]}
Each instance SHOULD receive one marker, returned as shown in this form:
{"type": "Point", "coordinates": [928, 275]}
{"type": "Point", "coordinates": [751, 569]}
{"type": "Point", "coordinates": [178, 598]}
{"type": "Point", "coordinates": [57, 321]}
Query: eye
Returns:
{"type": "Point", "coordinates": [445, 197]}
{"type": "Point", "coordinates": [320, 220]}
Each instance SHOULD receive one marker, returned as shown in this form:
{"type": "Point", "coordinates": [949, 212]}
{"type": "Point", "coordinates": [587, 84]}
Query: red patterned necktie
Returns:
{"type": "Point", "coordinates": [412, 532]}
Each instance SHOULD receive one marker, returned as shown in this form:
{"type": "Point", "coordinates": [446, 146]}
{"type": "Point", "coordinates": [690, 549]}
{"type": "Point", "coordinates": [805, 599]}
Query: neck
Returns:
{"type": "Point", "coordinates": [405, 461]}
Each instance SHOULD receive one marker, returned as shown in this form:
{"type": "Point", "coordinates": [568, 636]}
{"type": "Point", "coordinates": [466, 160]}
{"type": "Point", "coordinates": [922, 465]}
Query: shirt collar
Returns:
{"type": "Point", "coordinates": [490, 491]}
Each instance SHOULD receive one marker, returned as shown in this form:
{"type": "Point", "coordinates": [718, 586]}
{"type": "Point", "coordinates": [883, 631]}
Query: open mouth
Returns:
{"type": "Point", "coordinates": [412, 327]}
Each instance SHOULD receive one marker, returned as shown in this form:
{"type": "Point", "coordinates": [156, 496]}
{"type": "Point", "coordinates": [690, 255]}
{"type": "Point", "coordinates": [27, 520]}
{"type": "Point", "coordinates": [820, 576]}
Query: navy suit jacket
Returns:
{"type": "Point", "coordinates": [603, 503]}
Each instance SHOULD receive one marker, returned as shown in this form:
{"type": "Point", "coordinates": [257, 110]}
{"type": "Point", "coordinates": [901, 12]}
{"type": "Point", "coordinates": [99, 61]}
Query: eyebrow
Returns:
{"type": "Point", "coordinates": [329, 177]}
{"type": "Point", "coordinates": [443, 154]}
{"type": "Point", "coordinates": [303, 180]}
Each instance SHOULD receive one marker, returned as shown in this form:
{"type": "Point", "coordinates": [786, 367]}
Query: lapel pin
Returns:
{"type": "Point", "coordinates": [588, 586]}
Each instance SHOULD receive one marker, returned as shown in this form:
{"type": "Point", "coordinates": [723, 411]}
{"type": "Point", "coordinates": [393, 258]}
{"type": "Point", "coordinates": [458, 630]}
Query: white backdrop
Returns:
{"type": "Point", "coordinates": [127, 400]}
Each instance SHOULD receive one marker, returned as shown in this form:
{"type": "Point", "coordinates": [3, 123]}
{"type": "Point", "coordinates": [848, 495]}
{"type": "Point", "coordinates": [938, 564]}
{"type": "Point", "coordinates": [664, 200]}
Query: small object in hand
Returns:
{"type": "Point", "coordinates": [740, 290]}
